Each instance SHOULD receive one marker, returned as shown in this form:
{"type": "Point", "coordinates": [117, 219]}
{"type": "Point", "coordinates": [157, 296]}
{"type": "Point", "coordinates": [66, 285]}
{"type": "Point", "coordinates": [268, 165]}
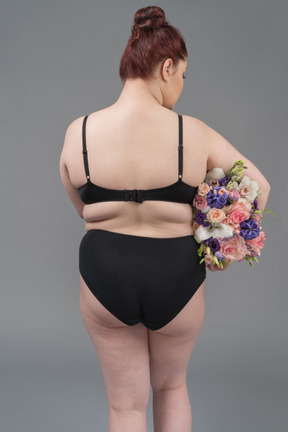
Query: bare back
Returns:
{"type": "Point", "coordinates": [137, 149]}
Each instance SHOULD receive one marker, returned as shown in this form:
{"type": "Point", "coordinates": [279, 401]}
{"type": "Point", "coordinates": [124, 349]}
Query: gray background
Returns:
{"type": "Point", "coordinates": [59, 60]}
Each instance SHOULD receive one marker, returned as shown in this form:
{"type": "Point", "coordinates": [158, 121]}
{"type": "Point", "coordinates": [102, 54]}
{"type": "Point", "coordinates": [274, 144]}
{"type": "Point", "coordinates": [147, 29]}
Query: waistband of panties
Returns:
{"type": "Point", "coordinates": [113, 233]}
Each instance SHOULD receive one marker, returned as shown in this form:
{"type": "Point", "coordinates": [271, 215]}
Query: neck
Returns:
{"type": "Point", "coordinates": [139, 91]}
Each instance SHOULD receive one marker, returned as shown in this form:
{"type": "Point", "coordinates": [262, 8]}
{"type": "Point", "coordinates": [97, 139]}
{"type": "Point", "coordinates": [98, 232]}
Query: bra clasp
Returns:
{"type": "Point", "coordinates": [133, 195]}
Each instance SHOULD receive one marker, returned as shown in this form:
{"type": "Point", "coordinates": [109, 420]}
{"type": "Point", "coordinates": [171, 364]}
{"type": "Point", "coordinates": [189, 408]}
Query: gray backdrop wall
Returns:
{"type": "Point", "coordinates": [52, 54]}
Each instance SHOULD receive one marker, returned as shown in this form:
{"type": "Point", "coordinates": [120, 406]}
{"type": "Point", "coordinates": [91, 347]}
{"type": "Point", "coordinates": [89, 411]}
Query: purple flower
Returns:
{"type": "Point", "coordinates": [214, 199]}
{"type": "Point", "coordinates": [200, 216]}
{"type": "Point", "coordinates": [255, 204]}
{"type": "Point", "coordinates": [249, 229]}
{"type": "Point", "coordinates": [219, 255]}
{"type": "Point", "coordinates": [224, 181]}
{"type": "Point", "coordinates": [213, 243]}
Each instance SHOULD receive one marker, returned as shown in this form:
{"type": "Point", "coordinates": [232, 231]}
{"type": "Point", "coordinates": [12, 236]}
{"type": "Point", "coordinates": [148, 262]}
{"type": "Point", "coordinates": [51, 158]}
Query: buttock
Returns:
{"type": "Point", "coordinates": [141, 279]}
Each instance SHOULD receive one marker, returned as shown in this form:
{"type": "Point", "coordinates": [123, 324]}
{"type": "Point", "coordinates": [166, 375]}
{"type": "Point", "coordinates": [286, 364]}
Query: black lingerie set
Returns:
{"type": "Point", "coordinates": [137, 278]}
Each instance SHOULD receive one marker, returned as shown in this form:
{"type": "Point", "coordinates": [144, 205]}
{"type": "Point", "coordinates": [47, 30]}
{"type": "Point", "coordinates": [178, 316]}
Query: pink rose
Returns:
{"type": "Point", "coordinates": [256, 217]}
{"type": "Point", "coordinates": [208, 259]}
{"type": "Point", "coordinates": [256, 244]}
{"type": "Point", "coordinates": [234, 248]}
{"type": "Point", "coordinates": [216, 215]}
{"type": "Point", "coordinates": [199, 202]}
{"type": "Point", "coordinates": [222, 191]}
{"type": "Point", "coordinates": [236, 227]}
{"type": "Point", "coordinates": [195, 226]}
{"type": "Point", "coordinates": [247, 204]}
{"type": "Point", "coordinates": [234, 194]}
{"type": "Point", "coordinates": [237, 213]}
{"type": "Point", "coordinates": [203, 189]}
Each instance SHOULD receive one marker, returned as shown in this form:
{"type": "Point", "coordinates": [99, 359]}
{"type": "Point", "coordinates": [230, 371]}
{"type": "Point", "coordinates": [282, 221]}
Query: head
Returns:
{"type": "Point", "coordinates": [156, 52]}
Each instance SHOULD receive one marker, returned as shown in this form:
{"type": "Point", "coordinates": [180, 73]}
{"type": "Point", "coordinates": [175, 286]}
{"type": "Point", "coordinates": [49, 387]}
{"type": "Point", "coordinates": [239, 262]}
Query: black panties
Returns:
{"type": "Point", "coordinates": [141, 279]}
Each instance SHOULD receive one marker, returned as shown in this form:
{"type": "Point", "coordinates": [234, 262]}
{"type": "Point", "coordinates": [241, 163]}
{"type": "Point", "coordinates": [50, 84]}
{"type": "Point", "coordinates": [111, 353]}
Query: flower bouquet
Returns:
{"type": "Point", "coordinates": [226, 218]}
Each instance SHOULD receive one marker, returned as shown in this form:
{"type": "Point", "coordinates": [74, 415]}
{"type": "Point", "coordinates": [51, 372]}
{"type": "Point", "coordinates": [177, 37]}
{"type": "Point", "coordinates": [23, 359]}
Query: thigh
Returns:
{"type": "Point", "coordinates": [172, 345]}
{"type": "Point", "coordinates": [122, 351]}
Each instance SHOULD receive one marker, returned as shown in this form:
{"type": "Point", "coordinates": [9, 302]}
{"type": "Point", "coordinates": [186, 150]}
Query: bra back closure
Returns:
{"type": "Point", "coordinates": [133, 195]}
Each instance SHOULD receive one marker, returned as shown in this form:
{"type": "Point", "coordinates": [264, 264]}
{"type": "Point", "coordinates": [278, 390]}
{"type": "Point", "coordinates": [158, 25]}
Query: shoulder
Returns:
{"type": "Point", "coordinates": [197, 133]}
{"type": "Point", "coordinates": [196, 124]}
{"type": "Point", "coordinates": [209, 136]}
{"type": "Point", "coordinates": [219, 151]}
{"type": "Point", "coordinates": [73, 130]}
{"type": "Point", "coordinates": [72, 137]}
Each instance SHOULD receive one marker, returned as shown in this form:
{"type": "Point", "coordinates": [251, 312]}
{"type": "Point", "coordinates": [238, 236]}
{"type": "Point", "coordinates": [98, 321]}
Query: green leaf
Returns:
{"type": "Point", "coordinates": [267, 210]}
{"type": "Point", "coordinates": [250, 261]}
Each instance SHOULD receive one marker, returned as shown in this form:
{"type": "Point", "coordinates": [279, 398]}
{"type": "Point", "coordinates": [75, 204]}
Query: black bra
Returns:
{"type": "Point", "coordinates": [179, 191]}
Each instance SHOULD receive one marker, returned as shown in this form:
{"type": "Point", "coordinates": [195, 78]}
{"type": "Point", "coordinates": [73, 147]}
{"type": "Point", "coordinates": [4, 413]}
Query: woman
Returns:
{"type": "Point", "coordinates": [131, 171]}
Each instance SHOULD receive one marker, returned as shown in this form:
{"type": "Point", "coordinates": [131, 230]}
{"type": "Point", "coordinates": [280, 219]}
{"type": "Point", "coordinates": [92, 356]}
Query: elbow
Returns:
{"type": "Point", "coordinates": [268, 188]}
{"type": "Point", "coordinates": [80, 212]}
{"type": "Point", "coordinates": [265, 187]}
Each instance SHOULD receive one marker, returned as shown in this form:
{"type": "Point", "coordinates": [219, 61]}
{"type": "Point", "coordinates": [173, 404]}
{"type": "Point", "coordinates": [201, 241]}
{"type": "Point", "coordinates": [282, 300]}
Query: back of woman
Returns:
{"type": "Point", "coordinates": [131, 170]}
{"type": "Point", "coordinates": [134, 145]}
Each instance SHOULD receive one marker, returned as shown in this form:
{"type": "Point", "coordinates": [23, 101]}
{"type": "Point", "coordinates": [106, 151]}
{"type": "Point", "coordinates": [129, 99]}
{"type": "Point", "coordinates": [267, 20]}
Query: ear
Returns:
{"type": "Point", "coordinates": [166, 69]}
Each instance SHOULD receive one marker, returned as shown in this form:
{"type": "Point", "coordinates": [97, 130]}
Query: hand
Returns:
{"type": "Point", "coordinates": [214, 267]}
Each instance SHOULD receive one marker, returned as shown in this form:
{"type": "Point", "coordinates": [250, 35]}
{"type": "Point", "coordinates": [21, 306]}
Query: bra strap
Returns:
{"type": "Point", "coordinates": [84, 151]}
{"type": "Point", "coordinates": [180, 147]}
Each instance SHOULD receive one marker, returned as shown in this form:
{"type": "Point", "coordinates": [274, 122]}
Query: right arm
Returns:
{"type": "Point", "coordinates": [221, 154]}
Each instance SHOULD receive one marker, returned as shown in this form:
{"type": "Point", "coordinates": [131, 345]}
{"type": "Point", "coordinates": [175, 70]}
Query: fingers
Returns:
{"type": "Point", "coordinates": [214, 267]}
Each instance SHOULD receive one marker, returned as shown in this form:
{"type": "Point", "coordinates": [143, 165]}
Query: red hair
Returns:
{"type": "Point", "coordinates": [152, 40]}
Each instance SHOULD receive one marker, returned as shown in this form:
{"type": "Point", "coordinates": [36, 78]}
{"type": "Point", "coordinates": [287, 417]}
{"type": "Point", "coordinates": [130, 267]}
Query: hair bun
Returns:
{"type": "Point", "coordinates": [150, 17]}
